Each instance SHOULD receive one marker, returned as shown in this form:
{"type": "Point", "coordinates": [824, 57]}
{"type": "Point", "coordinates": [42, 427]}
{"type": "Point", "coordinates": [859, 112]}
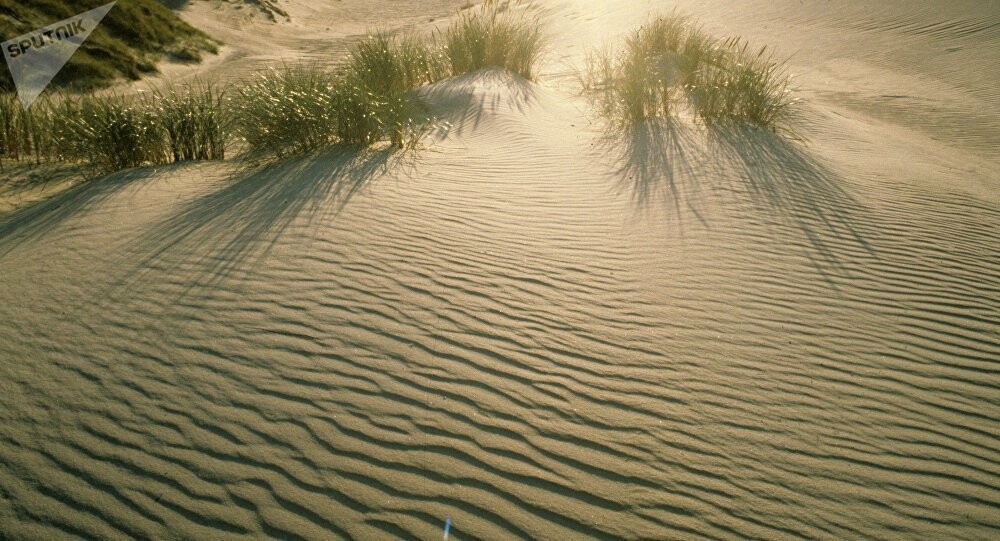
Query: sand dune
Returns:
{"type": "Point", "coordinates": [536, 327]}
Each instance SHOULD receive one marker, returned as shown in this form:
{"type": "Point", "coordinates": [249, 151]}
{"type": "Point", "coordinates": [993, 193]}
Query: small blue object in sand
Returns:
{"type": "Point", "coordinates": [447, 527]}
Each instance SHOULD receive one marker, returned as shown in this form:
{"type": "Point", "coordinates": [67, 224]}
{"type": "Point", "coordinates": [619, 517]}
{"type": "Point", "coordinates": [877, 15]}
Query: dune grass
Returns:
{"type": "Point", "coordinates": [281, 111]}
{"type": "Point", "coordinates": [421, 61]}
{"type": "Point", "coordinates": [749, 85]}
{"type": "Point", "coordinates": [193, 120]}
{"type": "Point", "coordinates": [277, 112]}
{"type": "Point", "coordinates": [110, 132]}
{"type": "Point", "coordinates": [672, 61]}
{"type": "Point", "coordinates": [297, 109]}
{"type": "Point", "coordinates": [495, 34]}
{"type": "Point", "coordinates": [26, 135]}
{"type": "Point", "coordinates": [373, 92]}
{"type": "Point", "coordinates": [644, 78]}
{"type": "Point", "coordinates": [15, 138]}
{"type": "Point", "coordinates": [370, 99]}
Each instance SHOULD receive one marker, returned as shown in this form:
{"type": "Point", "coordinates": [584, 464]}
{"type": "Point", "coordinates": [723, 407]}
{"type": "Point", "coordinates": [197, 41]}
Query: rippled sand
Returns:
{"type": "Point", "coordinates": [534, 327]}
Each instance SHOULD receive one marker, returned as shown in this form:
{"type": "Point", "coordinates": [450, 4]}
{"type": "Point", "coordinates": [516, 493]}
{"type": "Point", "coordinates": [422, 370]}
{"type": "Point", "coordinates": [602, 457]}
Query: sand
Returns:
{"type": "Point", "coordinates": [533, 327]}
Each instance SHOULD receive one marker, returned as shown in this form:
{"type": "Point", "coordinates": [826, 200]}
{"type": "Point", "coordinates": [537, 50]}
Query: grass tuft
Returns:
{"type": "Point", "coordinates": [281, 111]}
{"type": "Point", "coordinates": [26, 135]}
{"type": "Point", "coordinates": [15, 140]}
{"type": "Point", "coordinates": [494, 34]}
{"type": "Point", "coordinates": [673, 58]}
{"type": "Point", "coordinates": [374, 98]}
{"type": "Point", "coordinates": [749, 85]}
{"type": "Point", "coordinates": [193, 119]}
{"type": "Point", "coordinates": [298, 109]}
{"type": "Point", "coordinates": [645, 77]}
{"type": "Point", "coordinates": [110, 132]}
{"type": "Point", "coordinates": [371, 94]}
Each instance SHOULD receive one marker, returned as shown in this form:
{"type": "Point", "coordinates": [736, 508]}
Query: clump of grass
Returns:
{"type": "Point", "coordinates": [627, 86]}
{"type": "Point", "coordinates": [672, 58]}
{"type": "Point", "coordinates": [422, 60]}
{"type": "Point", "coordinates": [494, 34]}
{"type": "Point", "coordinates": [749, 85]}
{"type": "Point", "coordinates": [373, 94]}
{"type": "Point", "coordinates": [113, 132]}
{"type": "Point", "coordinates": [287, 110]}
{"type": "Point", "coordinates": [299, 109]}
{"type": "Point", "coordinates": [15, 141]}
{"type": "Point", "coordinates": [661, 45]}
{"type": "Point", "coordinates": [25, 134]}
{"type": "Point", "coordinates": [110, 132]}
{"type": "Point", "coordinates": [657, 63]}
{"type": "Point", "coordinates": [192, 117]}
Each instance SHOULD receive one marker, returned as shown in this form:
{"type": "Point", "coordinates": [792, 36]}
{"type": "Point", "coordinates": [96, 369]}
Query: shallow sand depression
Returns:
{"type": "Point", "coordinates": [535, 327]}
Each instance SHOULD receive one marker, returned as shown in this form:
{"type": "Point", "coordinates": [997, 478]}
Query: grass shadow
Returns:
{"type": "Point", "coordinates": [23, 185]}
{"type": "Point", "coordinates": [790, 183]}
{"type": "Point", "coordinates": [462, 103]}
{"type": "Point", "coordinates": [218, 234]}
{"type": "Point", "coordinates": [665, 162]}
{"type": "Point", "coordinates": [45, 216]}
{"type": "Point", "coordinates": [657, 160]}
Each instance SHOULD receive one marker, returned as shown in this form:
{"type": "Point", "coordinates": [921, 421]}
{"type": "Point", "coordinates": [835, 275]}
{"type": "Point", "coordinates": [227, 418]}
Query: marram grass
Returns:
{"type": "Point", "coordinates": [370, 99]}
{"type": "Point", "coordinates": [193, 120]}
{"type": "Point", "coordinates": [373, 98]}
{"type": "Point", "coordinates": [279, 111]}
{"type": "Point", "coordinates": [25, 135]}
{"type": "Point", "coordinates": [108, 132]}
{"type": "Point", "coordinates": [748, 84]}
{"type": "Point", "coordinates": [111, 132]}
{"type": "Point", "coordinates": [672, 61]}
{"type": "Point", "coordinates": [298, 109]}
{"type": "Point", "coordinates": [495, 34]}
{"type": "Point", "coordinates": [15, 141]}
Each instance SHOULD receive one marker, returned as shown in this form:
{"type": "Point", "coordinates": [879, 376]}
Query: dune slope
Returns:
{"type": "Point", "coordinates": [534, 327]}
{"type": "Point", "coordinates": [127, 43]}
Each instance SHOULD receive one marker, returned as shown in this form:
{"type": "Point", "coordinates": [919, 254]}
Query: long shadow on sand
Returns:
{"type": "Point", "coordinates": [667, 162]}
{"type": "Point", "coordinates": [45, 216]}
{"type": "Point", "coordinates": [793, 185]}
{"type": "Point", "coordinates": [217, 234]}
{"type": "Point", "coordinates": [464, 102]}
{"type": "Point", "coordinates": [656, 163]}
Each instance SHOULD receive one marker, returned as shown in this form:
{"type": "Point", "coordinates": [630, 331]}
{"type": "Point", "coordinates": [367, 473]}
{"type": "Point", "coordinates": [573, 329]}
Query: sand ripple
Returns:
{"type": "Point", "coordinates": [533, 327]}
